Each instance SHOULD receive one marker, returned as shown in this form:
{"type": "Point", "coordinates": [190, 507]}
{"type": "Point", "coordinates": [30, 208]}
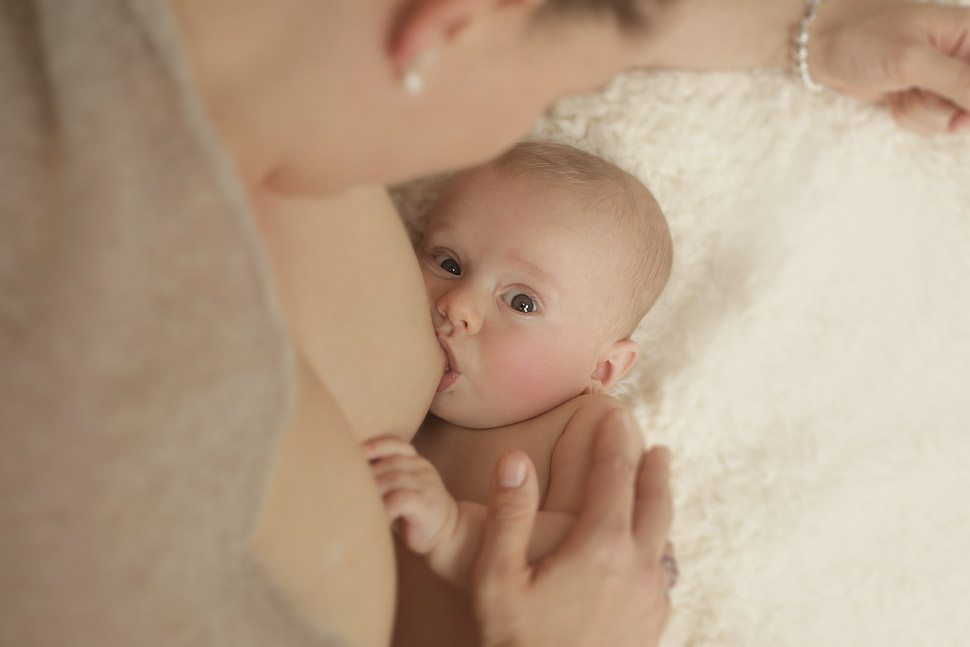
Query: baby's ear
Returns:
{"type": "Point", "coordinates": [614, 364]}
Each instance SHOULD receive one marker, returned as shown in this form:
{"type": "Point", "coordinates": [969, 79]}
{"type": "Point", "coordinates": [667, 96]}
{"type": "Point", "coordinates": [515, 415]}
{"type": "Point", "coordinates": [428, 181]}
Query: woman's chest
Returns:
{"type": "Point", "coordinates": [352, 293]}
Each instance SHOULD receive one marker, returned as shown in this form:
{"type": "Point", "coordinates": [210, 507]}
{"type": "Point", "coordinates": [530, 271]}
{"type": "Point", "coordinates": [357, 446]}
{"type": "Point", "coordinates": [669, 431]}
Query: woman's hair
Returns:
{"type": "Point", "coordinates": [630, 15]}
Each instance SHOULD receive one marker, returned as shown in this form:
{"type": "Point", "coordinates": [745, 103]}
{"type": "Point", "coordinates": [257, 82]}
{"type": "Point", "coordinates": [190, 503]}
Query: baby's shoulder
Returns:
{"type": "Point", "coordinates": [571, 454]}
{"type": "Point", "coordinates": [577, 435]}
{"type": "Point", "coordinates": [590, 407]}
{"type": "Point", "coordinates": [577, 410]}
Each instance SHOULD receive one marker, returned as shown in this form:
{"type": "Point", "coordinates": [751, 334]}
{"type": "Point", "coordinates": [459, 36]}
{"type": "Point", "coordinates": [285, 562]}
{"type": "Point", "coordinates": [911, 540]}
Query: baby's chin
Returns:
{"type": "Point", "coordinates": [449, 408]}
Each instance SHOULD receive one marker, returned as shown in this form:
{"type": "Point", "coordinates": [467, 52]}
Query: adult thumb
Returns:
{"type": "Point", "coordinates": [512, 506]}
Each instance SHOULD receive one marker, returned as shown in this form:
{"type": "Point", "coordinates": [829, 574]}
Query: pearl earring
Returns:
{"type": "Point", "coordinates": [411, 76]}
{"type": "Point", "coordinates": [412, 81]}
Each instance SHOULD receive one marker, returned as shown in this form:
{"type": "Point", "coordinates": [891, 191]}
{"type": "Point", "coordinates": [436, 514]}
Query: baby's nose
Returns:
{"type": "Point", "coordinates": [460, 308]}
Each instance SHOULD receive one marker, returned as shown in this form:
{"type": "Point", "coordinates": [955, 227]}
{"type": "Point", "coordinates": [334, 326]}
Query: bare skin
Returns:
{"type": "Point", "coordinates": [341, 540]}
{"type": "Point", "coordinates": [358, 339]}
{"type": "Point", "coordinates": [433, 612]}
{"type": "Point", "coordinates": [363, 354]}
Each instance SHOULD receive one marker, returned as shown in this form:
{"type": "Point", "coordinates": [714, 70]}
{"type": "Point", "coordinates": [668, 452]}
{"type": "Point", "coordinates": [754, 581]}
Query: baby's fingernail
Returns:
{"type": "Point", "coordinates": [511, 472]}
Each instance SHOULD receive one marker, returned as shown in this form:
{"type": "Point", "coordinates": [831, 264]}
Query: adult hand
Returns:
{"type": "Point", "coordinates": [605, 585]}
{"type": "Point", "coordinates": [915, 57]}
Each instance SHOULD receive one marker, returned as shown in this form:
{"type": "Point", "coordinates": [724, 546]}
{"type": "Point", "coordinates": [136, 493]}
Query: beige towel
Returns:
{"type": "Point", "coordinates": [143, 369]}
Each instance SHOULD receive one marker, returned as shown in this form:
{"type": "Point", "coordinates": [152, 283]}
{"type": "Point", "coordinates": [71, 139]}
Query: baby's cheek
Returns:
{"type": "Point", "coordinates": [531, 376]}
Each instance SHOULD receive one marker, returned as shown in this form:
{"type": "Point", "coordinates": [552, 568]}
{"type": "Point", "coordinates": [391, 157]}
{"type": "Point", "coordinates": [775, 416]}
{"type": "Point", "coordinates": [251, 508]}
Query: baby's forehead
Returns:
{"type": "Point", "coordinates": [565, 214]}
{"type": "Point", "coordinates": [526, 196]}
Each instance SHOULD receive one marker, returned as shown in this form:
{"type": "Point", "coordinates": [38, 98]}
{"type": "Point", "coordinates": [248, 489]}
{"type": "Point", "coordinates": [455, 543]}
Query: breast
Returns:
{"type": "Point", "coordinates": [351, 290]}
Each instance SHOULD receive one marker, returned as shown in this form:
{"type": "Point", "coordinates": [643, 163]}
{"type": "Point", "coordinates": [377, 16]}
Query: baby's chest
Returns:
{"type": "Point", "coordinates": [466, 458]}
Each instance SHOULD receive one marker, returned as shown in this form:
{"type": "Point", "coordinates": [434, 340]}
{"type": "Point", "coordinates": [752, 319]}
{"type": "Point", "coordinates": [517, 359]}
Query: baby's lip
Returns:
{"type": "Point", "coordinates": [452, 364]}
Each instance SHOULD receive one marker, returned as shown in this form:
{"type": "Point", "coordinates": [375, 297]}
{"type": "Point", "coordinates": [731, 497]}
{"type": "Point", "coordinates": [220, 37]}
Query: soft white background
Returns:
{"type": "Point", "coordinates": [809, 364]}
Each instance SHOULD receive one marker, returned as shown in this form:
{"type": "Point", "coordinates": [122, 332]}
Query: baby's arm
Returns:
{"type": "Point", "coordinates": [430, 522]}
{"type": "Point", "coordinates": [426, 517]}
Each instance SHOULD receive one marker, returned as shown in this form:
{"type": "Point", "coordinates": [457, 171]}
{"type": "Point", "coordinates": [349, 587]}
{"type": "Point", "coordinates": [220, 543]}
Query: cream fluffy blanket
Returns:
{"type": "Point", "coordinates": [809, 363]}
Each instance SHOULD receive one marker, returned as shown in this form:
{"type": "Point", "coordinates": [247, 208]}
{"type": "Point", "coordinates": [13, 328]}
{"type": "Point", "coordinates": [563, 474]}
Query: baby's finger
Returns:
{"type": "Point", "coordinates": [923, 112]}
{"type": "Point", "coordinates": [405, 503]}
{"type": "Point", "coordinates": [377, 448]}
{"type": "Point", "coordinates": [400, 479]}
{"type": "Point", "coordinates": [414, 464]}
{"type": "Point", "coordinates": [404, 510]}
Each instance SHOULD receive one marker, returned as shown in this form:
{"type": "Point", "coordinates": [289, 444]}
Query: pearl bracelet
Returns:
{"type": "Point", "coordinates": [800, 46]}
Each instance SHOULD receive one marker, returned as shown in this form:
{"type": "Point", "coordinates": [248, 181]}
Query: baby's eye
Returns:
{"type": "Point", "coordinates": [521, 302]}
{"type": "Point", "coordinates": [448, 264]}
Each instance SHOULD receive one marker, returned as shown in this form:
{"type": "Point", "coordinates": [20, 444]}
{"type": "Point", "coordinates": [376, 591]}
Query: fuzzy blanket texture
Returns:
{"type": "Point", "coordinates": [809, 363]}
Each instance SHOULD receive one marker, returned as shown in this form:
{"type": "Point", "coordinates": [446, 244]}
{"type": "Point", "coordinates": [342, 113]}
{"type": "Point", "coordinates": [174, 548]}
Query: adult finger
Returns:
{"type": "Point", "coordinates": [653, 514]}
{"type": "Point", "coordinates": [944, 75]}
{"type": "Point", "coordinates": [512, 507]}
{"type": "Point", "coordinates": [922, 112]}
{"type": "Point", "coordinates": [609, 491]}
{"type": "Point", "coordinates": [960, 123]}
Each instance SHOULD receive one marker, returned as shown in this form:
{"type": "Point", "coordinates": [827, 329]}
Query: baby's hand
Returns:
{"type": "Point", "coordinates": [415, 499]}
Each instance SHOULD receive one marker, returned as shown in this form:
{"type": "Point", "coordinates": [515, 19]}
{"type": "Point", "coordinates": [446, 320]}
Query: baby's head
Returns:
{"type": "Point", "coordinates": [538, 267]}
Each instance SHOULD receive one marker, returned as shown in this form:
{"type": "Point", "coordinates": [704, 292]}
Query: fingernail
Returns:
{"type": "Point", "coordinates": [511, 472]}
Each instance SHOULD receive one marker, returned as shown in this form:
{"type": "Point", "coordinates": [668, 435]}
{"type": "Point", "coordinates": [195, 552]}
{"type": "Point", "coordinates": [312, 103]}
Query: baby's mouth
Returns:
{"type": "Point", "coordinates": [450, 374]}
{"type": "Point", "coordinates": [450, 363]}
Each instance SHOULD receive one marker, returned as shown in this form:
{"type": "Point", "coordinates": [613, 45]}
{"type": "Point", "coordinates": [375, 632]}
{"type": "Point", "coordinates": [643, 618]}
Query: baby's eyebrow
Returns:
{"type": "Point", "coordinates": [535, 271]}
{"type": "Point", "coordinates": [436, 231]}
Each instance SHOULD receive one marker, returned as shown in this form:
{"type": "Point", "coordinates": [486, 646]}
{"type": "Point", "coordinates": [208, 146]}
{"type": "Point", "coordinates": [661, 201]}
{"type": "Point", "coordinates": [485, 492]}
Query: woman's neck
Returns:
{"type": "Point", "coordinates": [273, 86]}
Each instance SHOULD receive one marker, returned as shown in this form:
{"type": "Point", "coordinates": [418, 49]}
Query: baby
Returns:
{"type": "Point", "coordinates": [538, 268]}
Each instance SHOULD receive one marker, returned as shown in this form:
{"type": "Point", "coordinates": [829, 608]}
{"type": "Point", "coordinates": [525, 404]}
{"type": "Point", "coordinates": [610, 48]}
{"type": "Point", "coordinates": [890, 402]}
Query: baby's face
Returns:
{"type": "Point", "coordinates": [523, 289]}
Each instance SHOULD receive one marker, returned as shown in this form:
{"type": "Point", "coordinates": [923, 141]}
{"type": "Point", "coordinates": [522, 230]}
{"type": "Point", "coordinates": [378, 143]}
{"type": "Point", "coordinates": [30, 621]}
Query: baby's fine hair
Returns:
{"type": "Point", "coordinates": [612, 192]}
